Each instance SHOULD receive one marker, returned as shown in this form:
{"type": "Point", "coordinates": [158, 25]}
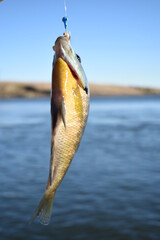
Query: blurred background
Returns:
{"type": "Point", "coordinates": [111, 190]}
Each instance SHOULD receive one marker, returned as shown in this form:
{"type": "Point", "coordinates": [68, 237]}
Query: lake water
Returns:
{"type": "Point", "coordinates": [112, 188]}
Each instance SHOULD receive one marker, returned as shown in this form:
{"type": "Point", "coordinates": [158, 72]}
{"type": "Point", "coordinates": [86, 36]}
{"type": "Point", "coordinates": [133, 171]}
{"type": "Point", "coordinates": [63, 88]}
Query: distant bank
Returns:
{"type": "Point", "coordinates": [36, 90]}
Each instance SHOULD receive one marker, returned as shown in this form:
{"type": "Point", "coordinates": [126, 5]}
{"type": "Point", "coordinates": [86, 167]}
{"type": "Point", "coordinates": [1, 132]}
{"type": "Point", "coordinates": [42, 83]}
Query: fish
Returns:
{"type": "Point", "coordinates": [69, 112]}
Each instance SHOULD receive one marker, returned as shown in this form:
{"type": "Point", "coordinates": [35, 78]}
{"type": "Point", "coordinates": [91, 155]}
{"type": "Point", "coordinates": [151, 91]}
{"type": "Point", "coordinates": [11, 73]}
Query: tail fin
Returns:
{"type": "Point", "coordinates": [44, 209]}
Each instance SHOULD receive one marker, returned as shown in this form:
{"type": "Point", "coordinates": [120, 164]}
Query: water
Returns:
{"type": "Point", "coordinates": [112, 188]}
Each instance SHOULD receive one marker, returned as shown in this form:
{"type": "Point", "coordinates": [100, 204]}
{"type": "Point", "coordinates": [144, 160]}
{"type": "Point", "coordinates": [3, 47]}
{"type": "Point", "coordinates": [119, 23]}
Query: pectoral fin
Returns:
{"type": "Point", "coordinates": [63, 112]}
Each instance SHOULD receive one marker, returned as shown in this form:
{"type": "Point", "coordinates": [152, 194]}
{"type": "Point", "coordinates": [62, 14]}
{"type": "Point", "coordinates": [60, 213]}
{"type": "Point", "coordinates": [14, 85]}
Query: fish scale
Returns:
{"type": "Point", "coordinates": [69, 142]}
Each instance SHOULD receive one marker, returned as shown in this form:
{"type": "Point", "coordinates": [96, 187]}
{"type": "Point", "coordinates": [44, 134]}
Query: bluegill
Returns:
{"type": "Point", "coordinates": [69, 112]}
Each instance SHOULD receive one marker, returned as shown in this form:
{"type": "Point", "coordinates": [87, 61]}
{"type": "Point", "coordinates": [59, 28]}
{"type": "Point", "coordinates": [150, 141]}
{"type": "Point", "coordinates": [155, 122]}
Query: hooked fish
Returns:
{"type": "Point", "coordinates": [69, 112]}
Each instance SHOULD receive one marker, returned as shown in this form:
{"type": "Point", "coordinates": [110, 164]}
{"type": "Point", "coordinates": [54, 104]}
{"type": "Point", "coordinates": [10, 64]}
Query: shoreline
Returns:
{"type": "Point", "coordinates": [10, 90]}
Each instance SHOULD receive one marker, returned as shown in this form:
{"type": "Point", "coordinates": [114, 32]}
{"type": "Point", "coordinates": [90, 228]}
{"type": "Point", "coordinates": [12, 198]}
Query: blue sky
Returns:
{"type": "Point", "coordinates": [117, 40]}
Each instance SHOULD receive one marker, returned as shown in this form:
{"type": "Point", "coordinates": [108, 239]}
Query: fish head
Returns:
{"type": "Point", "coordinates": [64, 51]}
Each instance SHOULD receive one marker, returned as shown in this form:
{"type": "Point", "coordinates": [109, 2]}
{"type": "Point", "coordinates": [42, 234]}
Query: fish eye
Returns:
{"type": "Point", "coordinates": [78, 57]}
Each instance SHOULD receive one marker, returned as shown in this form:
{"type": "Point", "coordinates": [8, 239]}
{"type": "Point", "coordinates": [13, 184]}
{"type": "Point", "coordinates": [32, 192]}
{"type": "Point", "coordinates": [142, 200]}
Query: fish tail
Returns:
{"type": "Point", "coordinates": [44, 209]}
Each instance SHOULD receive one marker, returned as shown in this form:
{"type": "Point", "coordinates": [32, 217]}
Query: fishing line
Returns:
{"type": "Point", "coordinates": [65, 7]}
{"type": "Point", "coordinates": [65, 19]}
